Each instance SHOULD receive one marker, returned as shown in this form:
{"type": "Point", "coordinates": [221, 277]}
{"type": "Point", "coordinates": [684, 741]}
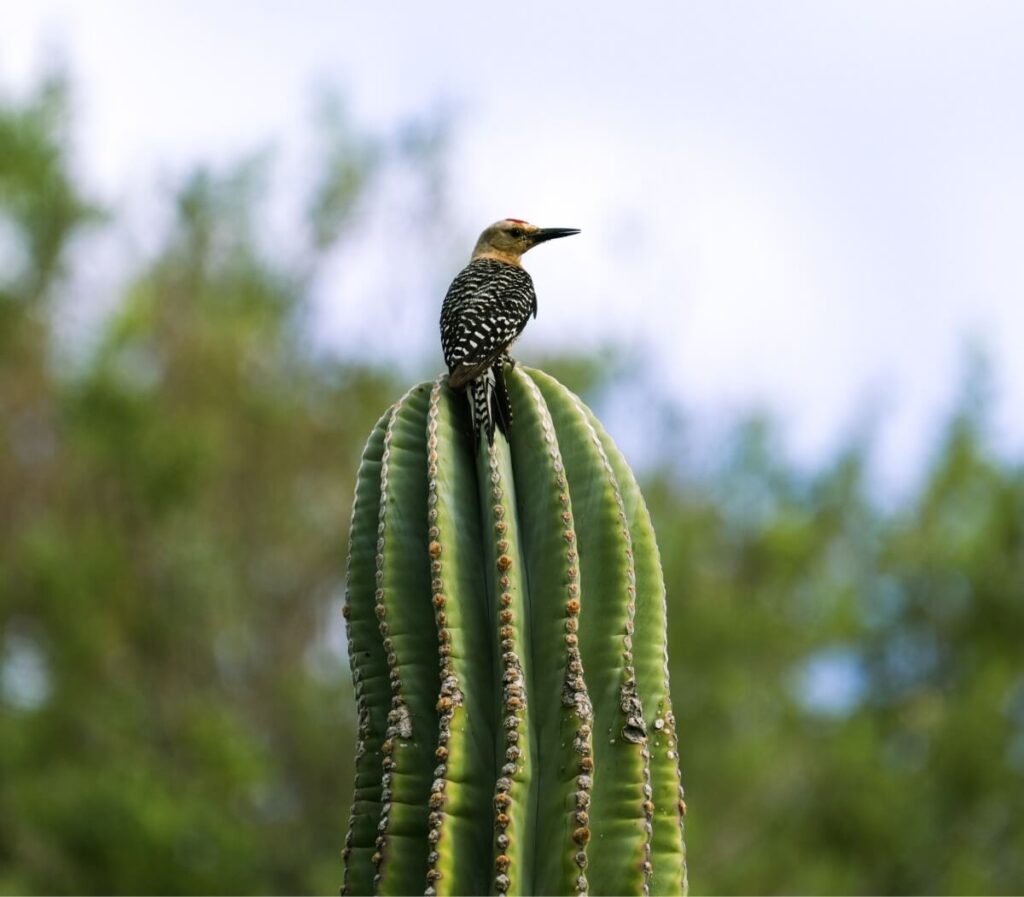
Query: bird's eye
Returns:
{"type": "Point", "coordinates": [516, 232]}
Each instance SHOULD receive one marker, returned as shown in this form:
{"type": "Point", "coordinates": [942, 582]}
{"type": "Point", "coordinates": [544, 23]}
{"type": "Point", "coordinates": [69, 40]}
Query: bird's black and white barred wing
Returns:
{"type": "Point", "coordinates": [486, 308]}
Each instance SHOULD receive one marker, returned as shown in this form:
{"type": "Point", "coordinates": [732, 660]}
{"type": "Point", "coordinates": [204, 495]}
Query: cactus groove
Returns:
{"type": "Point", "coordinates": [506, 619]}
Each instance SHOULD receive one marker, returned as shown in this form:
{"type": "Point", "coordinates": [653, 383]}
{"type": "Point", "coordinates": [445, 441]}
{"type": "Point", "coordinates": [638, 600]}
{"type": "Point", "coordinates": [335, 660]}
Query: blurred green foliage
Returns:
{"type": "Point", "coordinates": [175, 710]}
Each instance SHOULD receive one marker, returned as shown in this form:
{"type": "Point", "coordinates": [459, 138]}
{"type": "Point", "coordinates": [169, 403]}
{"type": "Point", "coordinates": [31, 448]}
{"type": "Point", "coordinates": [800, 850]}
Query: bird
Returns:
{"type": "Point", "coordinates": [485, 309]}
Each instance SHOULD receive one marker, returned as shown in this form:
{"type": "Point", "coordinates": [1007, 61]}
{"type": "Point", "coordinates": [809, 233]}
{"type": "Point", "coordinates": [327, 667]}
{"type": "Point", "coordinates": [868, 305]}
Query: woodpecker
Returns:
{"type": "Point", "coordinates": [486, 308]}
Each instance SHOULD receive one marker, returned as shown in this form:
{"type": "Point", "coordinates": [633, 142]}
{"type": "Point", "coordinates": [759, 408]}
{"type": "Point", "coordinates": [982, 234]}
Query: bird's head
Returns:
{"type": "Point", "coordinates": [508, 239]}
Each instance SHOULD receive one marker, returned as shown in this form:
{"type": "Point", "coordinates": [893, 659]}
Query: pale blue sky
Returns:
{"type": "Point", "coordinates": [806, 206]}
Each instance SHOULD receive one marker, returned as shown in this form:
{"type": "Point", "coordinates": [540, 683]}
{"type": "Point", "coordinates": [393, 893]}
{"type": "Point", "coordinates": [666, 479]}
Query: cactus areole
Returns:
{"type": "Point", "coordinates": [506, 625]}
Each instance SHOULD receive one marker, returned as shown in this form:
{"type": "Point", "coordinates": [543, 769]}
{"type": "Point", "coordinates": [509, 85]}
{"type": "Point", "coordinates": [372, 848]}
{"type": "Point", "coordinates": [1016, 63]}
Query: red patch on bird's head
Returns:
{"type": "Point", "coordinates": [517, 221]}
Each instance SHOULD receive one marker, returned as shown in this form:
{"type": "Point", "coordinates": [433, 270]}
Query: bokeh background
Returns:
{"type": "Point", "coordinates": [797, 303]}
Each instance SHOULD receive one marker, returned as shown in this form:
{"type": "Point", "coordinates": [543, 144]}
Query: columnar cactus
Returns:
{"type": "Point", "coordinates": [506, 621]}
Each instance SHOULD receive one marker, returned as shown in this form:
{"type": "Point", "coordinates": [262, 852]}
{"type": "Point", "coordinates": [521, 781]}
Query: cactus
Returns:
{"type": "Point", "coordinates": [506, 621]}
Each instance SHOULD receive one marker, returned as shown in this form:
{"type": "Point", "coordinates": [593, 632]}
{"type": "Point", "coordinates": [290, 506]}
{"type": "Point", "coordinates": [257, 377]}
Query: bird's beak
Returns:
{"type": "Point", "coordinates": [551, 233]}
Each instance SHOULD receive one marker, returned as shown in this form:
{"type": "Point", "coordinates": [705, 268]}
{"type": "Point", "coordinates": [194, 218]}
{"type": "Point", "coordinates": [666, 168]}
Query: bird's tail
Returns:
{"type": "Point", "coordinates": [489, 404]}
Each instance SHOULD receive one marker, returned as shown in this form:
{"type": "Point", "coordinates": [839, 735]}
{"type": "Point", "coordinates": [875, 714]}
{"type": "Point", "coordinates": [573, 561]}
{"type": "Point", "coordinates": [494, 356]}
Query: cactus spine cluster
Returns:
{"type": "Point", "coordinates": [506, 621]}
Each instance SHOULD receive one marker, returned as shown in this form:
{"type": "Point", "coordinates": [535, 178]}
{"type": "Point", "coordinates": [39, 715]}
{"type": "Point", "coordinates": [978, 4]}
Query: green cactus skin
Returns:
{"type": "Point", "coordinates": [506, 618]}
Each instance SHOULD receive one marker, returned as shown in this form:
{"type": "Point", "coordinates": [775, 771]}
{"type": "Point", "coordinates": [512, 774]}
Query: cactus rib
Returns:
{"type": "Point", "coordinates": [513, 804]}
{"type": "Point", "coordinates": [402, 580]}
{"type": "Point", "coordinates": [564, 725]}
{"type": "Point", "coordinates": [460, 819]}
{"type": "Point", "coordinates": [369, 667]}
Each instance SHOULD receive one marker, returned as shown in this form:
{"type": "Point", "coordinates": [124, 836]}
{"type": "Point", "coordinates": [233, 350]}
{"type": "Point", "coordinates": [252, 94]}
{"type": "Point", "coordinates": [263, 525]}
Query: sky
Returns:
{"type": "Point", "coordinates": [810, 208]}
